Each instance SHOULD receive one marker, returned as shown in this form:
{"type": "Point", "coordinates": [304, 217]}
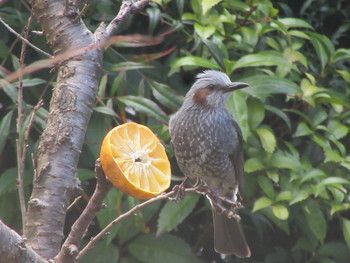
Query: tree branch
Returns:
{"type": "Point", "coordinates": [21, 147]}
{"type": "Point", "coordinates": [71, 246]}
{"type": "Point", "coordinates": [129, 213]}
{"type": "Point", "coordinates": [13, 248]}
{"type": "Point", "coordinates": [128, 7]}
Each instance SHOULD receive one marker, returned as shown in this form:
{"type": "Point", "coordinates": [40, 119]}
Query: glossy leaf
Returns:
{"type": "Point", "coordinates": [165, 95]}
{"type": "Point", "coordinates": [238, 107]}
{"type": "Point", "coordinates": [295, 22]}
{"type": "Point", "coordinates": [5, 125]}
{"type": "Point", "coordinates": [316, 220]}
{"type": "Point", "coordinates": [261, 203]}
{"type": "Point", "coordinates": [106, 110]}
{"type": "Point", "coordinates": [166, 248]}
{"type": "Point", "coordinates": [267, 139]}
{"type": "Point", "coordinates": [173, 213]}
{"type": "Point", "coordinates": [253, 165]}
{"type": "Point", "coordinates": [194, 61]}
{"type": "Point", "coordinates": [280, 211]}
{"type": "Point", "coordinates": [262, 86]}
{"type": "Point", "coordinates": [145, 106]}
{"type": "Point", "coordinates": [346, 231]}
{"type": "Point", "coordinates": [208, 4]}
{"type": "Point", "coordinates": [128, 65]}
{"type": "Point", "coordinates": [265, 58]}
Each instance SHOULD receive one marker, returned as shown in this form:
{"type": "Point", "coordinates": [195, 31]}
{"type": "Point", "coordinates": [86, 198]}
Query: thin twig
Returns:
{"type": "Point", "coordinates": [76, 200]}
{"type": "Point", "coordinates": [83, 10]}
{"type": "Point", "coordinates": [24, 39]}
{"type": "Point", "coordinates": [20, 142]}
{"type": "Point", "coordinates": [129, 213]}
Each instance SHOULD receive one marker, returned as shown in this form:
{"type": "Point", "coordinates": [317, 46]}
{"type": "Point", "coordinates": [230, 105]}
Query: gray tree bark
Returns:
{"type": "Point", "coordinates": [70, 110]}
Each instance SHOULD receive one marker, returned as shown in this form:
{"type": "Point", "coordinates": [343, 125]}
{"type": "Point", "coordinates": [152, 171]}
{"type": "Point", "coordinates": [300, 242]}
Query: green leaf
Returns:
{"type": "Point", "coordinates": [8, 180]}
{"type": "Point", "coordinates": [338, 129]}
{"type": "Point", "coordinates": [282, 224]}
{"type": "Point", "coordinates": [146, 106]}
{"type": "Point", "coordinates": [253, 165]}
{"type": "Point", "coordinates": [280, 211]}
{"type": "Point", "coordinates": [102, 253]}
{"type": "Point", "coordinates": [295, 22]}
{"type": "Point", "coordinates": [312, 174]}
{"type": "Point", "coordinates": [238, 5]}
{"type": "Point", "coordinates": [298, 33]}
{"type": "Point", "coordinates": [284, 160]}
{"type": "Point", "coordinates": [345, 75]}
{"type": "Point", "coordinates": [284, 196]}
{"type": "Point", "coordinates": [267, 139]}
{"type": "Point", "coordinates": [106, 110]}
{"type": "Point", "coordinates": [315, 219]}
{"type": "Point", "coordinates": [5, 126]}
{"type": "Point", "coordinates": [118, 83]}
{"type": "Point", "coordinates": [256, 112]}
{"type": "Point", "coordinates": [204, 32]}
{"type": "Point", "coordinates": [4, 50]}
{"type": "Point", "coordinates": [102, 86]}
{"type": "Point", "coordinates": [129, 65]}
{"type": "Point", "coordinates": [323, 46]}
{"type": "Point", "coordinates": [280, 114]}
{"type": "Point", "coordinates": [264, 58]}
{"type": "Point", "coordinates": [165, 95]}
{"type": "Point", "coordinates": [193, 61]}
{"type": "Point", "coordinates": [332, 181]}
{"type": "Point", "coordinates": [208, 4]}
{"type": "Point", "coordinates": [261, 203]}
{"type": "Point", "coordinates": [110, 212]}
{"type": "Point", "coordinates": [85, 174]}
{"type": "Point", "coordinates": [302, 130]}
{"type": "Point", "coordinates": [334, 252]}
{"type": "Point", "coordinates": [237, 105]}
{"type": "Point", "coordinates": [166, 248]}
{"type": "Point", "coordinates": [261, 86]}
{"type": "Point", "coordinates": [218, 50]}
{"type": "Point", "coordinates": [10, 90]}
{"type": "Point", "coordinates": [301, 196]}
{"type": "Point", "coordinates": [266, 185]}
{"type": "Point", "coordinates": [173, 213]}
{"type": "Point", "coordinates": [346, 231]}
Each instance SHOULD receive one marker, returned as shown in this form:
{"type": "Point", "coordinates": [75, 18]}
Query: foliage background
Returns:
{"type": "Point", "coordinates": [295, 119]}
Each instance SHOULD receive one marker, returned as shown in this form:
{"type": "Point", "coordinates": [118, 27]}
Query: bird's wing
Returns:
{"type": "Point", "coordinates": [237, 156]}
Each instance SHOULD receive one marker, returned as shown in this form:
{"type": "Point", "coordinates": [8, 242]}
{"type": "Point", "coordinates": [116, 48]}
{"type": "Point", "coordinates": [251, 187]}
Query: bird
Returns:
{"type": "Point", "coordinates": [207, 143]}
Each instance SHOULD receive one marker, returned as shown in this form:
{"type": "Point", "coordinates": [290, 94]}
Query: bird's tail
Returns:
{"type": "Point", "coordinates": [228, 236]}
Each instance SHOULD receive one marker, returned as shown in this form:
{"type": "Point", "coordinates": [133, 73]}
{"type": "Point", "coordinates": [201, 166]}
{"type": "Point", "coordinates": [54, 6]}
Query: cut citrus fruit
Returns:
{"type": "Point", "coordinates": [135, 161]}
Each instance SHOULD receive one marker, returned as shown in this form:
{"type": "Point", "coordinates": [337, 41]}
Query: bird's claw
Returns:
{"type": "Point", "coordinates": [179, 192]}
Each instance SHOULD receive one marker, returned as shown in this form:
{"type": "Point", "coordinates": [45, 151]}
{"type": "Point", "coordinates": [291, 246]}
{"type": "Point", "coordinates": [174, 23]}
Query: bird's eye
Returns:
{"type": "Point", "coordinates": [211, 87]}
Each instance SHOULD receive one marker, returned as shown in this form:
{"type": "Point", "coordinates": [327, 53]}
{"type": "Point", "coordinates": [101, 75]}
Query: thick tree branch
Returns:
{"type": "Point", "coordinates": [13, 248]}
{"type": "Point", "coordinates": [61, 142]}
{"type": "Point", "coordinates": [71, 246]}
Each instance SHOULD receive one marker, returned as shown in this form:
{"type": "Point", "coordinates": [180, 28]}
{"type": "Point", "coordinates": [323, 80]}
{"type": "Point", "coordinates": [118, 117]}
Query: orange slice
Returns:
{"type": "Point", "coordinates": [135, 161]}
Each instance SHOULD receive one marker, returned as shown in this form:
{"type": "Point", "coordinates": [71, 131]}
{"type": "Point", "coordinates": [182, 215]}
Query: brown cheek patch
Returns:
{"type": "Point", "coordinates": [200, 98]}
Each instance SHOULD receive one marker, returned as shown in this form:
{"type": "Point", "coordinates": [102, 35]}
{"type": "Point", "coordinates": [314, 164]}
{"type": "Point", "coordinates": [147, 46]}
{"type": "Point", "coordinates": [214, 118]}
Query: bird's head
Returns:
{"type": "Point", "coordinates": [212, 90]}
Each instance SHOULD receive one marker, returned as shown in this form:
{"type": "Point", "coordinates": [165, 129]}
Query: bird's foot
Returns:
{"type": "Point", "coordinates": [233, 204]}
{"type": "Point", "coordinates": [179, 191]}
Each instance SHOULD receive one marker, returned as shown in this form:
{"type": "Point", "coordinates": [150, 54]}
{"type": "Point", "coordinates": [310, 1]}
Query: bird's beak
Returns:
{"type": "Point", "coordinates": [236, 85]}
